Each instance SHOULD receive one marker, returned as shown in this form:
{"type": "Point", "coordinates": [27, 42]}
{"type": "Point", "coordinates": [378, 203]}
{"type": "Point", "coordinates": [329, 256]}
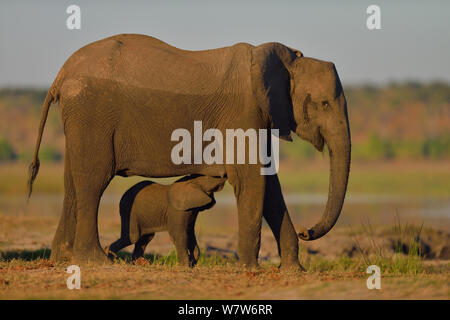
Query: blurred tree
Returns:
{"type": "Point", "coordinates": [6, 151]}
{"type": "Point", "coordinates": [408, 120]}
{"type": "Point", "coordinates": [49, 154]}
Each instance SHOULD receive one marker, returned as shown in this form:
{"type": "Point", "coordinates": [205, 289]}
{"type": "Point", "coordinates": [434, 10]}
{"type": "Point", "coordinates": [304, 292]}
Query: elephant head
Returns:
{"type": "Point", "coordinates": [194, 192]}
{"type": "Point", "coordinates": [305, 96]}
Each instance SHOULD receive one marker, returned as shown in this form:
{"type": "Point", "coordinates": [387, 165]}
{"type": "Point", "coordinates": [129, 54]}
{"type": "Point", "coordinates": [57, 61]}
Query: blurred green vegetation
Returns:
{"type": "Point", "coordinates": [378, 148]}
{"type": "Point", "coordinates": [397, 121]}
{"type": "Point", "coordinates": [6, 151]}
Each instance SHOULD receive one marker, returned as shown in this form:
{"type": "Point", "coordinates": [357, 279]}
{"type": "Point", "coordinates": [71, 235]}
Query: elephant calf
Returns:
{"type": "Point", "coordinates": [149, 207]}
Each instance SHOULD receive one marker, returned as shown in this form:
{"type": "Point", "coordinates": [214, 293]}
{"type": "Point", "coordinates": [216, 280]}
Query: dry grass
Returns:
{"type": "Point", "coordinates": [41, 279]}
{"type": "Point", "coordinates": [336, 268]}
{"type": "Point", "coordinates": [27, 273]}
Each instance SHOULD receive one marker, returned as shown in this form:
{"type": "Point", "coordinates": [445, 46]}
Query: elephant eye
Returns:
{"type": "Point", "coordinates": [325, 104]}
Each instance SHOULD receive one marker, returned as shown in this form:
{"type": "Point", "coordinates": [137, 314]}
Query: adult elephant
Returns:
{"type": "Point", "coordinates": [122, 97]}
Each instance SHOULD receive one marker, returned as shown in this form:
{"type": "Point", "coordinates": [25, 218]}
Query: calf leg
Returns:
{"type": "Point", "coordinates": [193, 249]}
{"type": "Point", "coordinates": [180, 239]}
{"type": "Point", "coordinates": [141, 244]}
{"type": "Point", "coordinates": [116, 246]}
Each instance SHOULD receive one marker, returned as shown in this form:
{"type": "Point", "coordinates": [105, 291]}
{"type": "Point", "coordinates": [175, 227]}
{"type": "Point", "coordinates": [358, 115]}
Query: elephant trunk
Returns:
{"type": "Point", "coordinates": [339, 151]}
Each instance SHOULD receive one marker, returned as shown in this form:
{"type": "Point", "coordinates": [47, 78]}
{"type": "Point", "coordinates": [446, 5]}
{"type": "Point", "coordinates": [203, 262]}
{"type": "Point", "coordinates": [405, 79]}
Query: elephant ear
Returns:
{"type": "Point", "coordinates": [194, 193]}
{"type": "Point", "coordinates": [210, 184]}
{"type": "Point", "coordinates": [271, 84]}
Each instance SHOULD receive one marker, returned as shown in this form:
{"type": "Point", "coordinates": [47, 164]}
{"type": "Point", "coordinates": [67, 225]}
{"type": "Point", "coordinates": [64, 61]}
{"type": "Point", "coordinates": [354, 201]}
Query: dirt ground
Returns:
{"type": "Point", "coordinates": [396, 217]}
{"type": "Point", "coordinates": [335, 267]}
{"type": "Point", "coordinates": [43, 280]}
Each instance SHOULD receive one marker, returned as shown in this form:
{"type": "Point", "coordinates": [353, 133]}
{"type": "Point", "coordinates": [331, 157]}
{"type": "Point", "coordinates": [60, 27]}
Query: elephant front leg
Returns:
{"type": "Point", "coordinates": [277, 216]}
{"type": "Point", "coordinates": [249, 191]}
{"type": "Point", "coordinates": [180, 239]}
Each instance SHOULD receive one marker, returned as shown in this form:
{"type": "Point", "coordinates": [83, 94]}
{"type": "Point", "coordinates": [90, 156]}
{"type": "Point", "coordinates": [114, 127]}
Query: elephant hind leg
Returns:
{"type": "Point", "coordinates": [141, 244]}
{"type": "Point", "coordinates": [63, 240]}
{"type": "Point", "coordinates": [89, 188]}
{"type": "Point", "coordinates": [92, 168]}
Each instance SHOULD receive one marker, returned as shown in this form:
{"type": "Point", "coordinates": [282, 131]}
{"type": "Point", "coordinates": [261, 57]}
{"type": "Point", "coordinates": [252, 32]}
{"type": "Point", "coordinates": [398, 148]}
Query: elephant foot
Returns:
{"type": "Point", "coordinates": [188, 265]}
{"type": "Point", "coordinates": [111, 254]}
{"type": "Point", "coordinates": [291, 267]}
{"type": "Point", "coordinates": [90, 256]}
{"type": "Point", "coordinates": [192, 263]}
{"type": "Point", "coordinates": [251, 266]}
{"type": "Point", "coordinates": [185, 262]}
{"type": "Point", "coordinates": [61, 252]}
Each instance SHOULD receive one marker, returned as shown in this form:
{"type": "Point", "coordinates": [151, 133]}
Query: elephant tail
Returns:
{"type": "Point", "coordinates": [34, 166]}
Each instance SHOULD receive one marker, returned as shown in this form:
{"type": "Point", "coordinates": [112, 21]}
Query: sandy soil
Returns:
{"type": "Point", "coordinates": [24, 275]}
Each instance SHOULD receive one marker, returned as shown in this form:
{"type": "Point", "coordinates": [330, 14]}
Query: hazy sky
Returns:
{"type": "Point", "coordinates": [414, 43]}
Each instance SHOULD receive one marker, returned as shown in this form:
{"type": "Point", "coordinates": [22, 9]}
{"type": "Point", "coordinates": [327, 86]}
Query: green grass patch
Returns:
{"type": "Point", "coordinates": [25, 255]}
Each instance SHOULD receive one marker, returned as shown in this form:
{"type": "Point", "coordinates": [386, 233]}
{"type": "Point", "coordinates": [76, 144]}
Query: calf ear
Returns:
{"type": "Point", "coordinates": [187, 195]}
{"type": "Point", "coordinates": [210, 184]}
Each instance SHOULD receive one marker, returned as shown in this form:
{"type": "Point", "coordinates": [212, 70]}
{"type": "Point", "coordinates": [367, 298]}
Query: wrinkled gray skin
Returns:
{"type": "Point", "coordinates": [122, 97]}
{"type": "Point", "coordinates": [148, 207]}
